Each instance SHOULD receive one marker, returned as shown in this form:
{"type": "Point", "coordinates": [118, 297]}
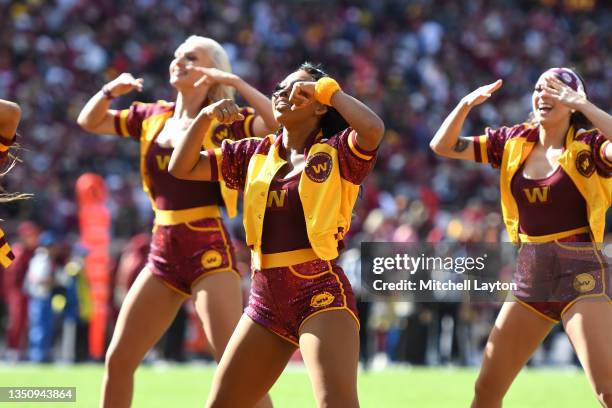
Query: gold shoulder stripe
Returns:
{"type": "Point", "coordinates": [218, 153]}
{"type": "Point", "coordinates": [482, 144]}
{"type": "Point", "coordinates": [123, 122]}
{"type": "Point", "coordinates": [247, 125]}
{"type": "Point", "coordinates": [602, 152]}
{"type": "Point", "coordinates": [356, 151]}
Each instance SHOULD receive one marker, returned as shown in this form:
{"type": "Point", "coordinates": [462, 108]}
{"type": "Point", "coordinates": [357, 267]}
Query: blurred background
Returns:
{"type": "Point", "coordinates": [410, 61]}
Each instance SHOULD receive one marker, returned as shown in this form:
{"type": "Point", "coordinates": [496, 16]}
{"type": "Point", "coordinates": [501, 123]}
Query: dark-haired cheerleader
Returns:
{"type": "Point", "coordinates": [10, 114]}
{"type": "Point", "coordinates": [300, 186]}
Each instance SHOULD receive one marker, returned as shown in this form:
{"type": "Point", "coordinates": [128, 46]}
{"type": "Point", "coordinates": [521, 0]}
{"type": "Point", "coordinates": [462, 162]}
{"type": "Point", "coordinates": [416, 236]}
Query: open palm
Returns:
{"type": "Point", "coordinates": [211, 76]}
{"type": "Point", "coordinates": [481, 94]}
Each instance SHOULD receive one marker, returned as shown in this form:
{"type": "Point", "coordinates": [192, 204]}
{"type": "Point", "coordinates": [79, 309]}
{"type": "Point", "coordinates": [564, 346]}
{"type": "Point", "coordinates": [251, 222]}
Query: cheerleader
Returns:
{"type": "Point", "coordinates": [556, 186]}
{"type": "Point", "coordinates": [300, 186]}
{"type": "Point", "coordinates": [191, 255]}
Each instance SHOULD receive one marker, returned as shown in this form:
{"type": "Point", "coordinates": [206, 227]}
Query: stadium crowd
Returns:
{"type": "Point", "coordinates": [410, 61]}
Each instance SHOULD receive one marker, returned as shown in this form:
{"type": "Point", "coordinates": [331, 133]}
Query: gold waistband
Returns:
{"type": "Point", "coordinates": [288, 258]}
{"type": "Point", "coordinates": [555, 236]}
{"type": "Point", "coordinates": [173, 217]}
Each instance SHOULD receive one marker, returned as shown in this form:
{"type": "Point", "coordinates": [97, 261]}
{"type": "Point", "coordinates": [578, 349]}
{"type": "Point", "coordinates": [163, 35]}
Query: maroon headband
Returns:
{"type": "Point", "coordinates": [568, 77]}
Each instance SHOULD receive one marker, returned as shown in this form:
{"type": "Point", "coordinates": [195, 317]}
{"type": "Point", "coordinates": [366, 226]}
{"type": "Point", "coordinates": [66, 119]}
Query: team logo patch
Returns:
{"type": "Point", "coordinates": [322, 299]}
{"type": "Point", "coordinates": [319, 167]}
{"type": "Point", "coordinates": [212, 259]}
{"type": "Point", "coordinates": [219, 134]}
{"type": "Point", "coordinates": [584, 164]}
{"type": "Point", "coordinates": [584, 282]}
{"type": "Point", "coordinates": [566, 77]}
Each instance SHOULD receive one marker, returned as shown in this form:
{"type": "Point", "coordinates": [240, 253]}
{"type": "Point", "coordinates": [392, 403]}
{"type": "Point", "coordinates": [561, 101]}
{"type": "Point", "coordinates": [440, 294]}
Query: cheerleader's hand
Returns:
{"type": "Point", "coordinates": [302, 94]}
{"type": "Point", "coordinates": [481, 94]}
{"type": "Point", "coordinates": [225, 111]}
{"type": "Point", "coordinates": [123, 84]}
{"type": "Point", "coordinates": [211, 76]}
{"type": "Point", "coordinates": [563, 93]}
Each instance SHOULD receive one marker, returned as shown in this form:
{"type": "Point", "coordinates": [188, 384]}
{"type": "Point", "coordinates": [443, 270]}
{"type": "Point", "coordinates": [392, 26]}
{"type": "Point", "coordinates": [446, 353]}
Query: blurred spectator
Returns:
{"type": "Point", "coordinates": [70, 305]}
{"type": "Point", "coordinates": [16, 299]}
{"type": "Point", "coordinates": [39, 284]}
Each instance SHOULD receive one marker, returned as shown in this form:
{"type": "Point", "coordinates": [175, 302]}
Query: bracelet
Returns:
{"type": "Point", "coordinates": [325, 88]}
{"type": "Point", "coordinates": [107, 93]}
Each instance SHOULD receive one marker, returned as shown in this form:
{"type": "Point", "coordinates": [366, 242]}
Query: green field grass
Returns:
{"type": "Point", "coordinates": [187, 386]}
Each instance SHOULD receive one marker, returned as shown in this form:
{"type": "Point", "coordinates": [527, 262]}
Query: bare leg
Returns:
{"type": "Point", "coordinates": [146, 313]}
{"type": "Point", "coordinates": [329, 343]}
{"type": "Point", "coordinates": [218, 302]}
{"type": "Point", "coordinates": [517, 334]}
{"type": "Point", "coordinates": [588, 324]}
{"type": "Point", "coordinates": [252, 362]}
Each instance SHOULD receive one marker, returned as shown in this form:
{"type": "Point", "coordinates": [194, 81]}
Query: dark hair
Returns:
{"type": "Point", "coordinates": [332, 122]}
{"type": "Point", "coordinates": [577, 119]}
{"type": "Point", "coordinates": [5, 167]}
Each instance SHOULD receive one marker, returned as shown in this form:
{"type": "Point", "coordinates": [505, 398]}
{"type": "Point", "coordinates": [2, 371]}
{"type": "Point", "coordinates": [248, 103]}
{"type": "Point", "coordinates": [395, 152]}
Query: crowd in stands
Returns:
{"type": "Point", "coordinates": [410, 61]}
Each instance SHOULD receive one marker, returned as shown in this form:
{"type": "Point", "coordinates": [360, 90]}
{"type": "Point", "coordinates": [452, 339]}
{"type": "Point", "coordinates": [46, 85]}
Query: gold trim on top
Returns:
{"type": "Point", "coordinates": [283, 259]}
{"type": "Point", "coordinates": [355, 150]}
{"type": "Point", "coordinates": [553, 237]}
{"type": "Point", "coordinates": [482, 144]}
{"type": "Point", "coordinates": [173, 217]}
{"type": "Point", "coordinates": [602, 152]}
{"type": "Point", "coordinates": [123, 115]}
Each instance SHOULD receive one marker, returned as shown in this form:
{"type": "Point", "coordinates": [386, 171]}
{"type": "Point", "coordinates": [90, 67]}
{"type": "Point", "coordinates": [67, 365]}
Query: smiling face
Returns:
{"type": "Point", "coordinates": [547, 110]}
{"type": "Point", "coordinates": [282, 107]}
{"type": "Point", "coordinates": [188, 53]}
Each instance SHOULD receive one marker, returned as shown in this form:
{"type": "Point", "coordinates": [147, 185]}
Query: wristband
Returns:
{"type": "Point", "coordinates": [325, 88]}
{"type": "Point", "coordinates": [107, 93]}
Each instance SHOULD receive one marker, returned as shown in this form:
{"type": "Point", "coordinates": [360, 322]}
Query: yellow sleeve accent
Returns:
{"type": "Point", "coordinates": [218, 157]}
{"type": "Point", "coordinates": [247, 125]}
{"type": "Point", "coordinates": [482, 144]}
{"type": "Point", "coordinates": [3, 148]}
{"type": "Point", "coordinates": [123, 122]}
{"type": "Point", "coordinates": [355, 149]}
{"type": "Point", "coordinates": [602, 152]}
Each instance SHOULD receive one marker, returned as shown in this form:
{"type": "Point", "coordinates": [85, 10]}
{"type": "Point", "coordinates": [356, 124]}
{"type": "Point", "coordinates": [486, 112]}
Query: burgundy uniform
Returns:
{"type": "Point", "coordinates": [284, 213]}
{"type": "Point", "coordinates": [182, 252]}
{"type": "Point", "coordinates": [552, 198]}
{"type": "Point", "coordinates": [489, 148]}
{"type": "Point", "coordinates": [283, 298]}
{"type": "Point", "coordinates": [553, 275]}
{"type": "Point", "coordinates": [166, 186]}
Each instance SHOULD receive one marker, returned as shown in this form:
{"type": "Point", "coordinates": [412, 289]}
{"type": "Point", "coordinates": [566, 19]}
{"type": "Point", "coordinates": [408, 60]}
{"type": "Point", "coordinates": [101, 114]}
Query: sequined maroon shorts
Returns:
{"type": "Point", "coordinates": [182, 254]}
{"type": "Point", "coordinates": [282, 299]}
{"type": "Point", "coordinates": [552, 276]}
